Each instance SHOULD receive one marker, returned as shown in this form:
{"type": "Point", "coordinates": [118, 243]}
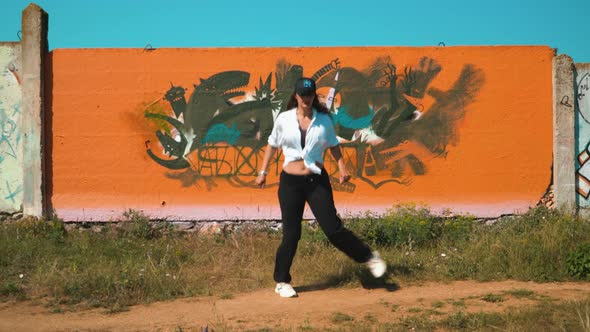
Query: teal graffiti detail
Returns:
{"type": "Point", "coordinates": [12, 194]}
{"type": "Point", "coordinates": [345, 120]}
{"type": "Point", "coordinates": [221, 133]}
{"type": "Point", "coordinates": [7, 130]}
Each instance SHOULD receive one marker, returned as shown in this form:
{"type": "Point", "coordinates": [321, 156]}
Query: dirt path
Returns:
{"type": "Point", "coordinates": [264, 309]}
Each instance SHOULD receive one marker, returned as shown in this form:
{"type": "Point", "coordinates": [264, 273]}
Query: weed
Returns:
{"type": "Point", "coordinates": [414, 323]}
{"type": "Point", "coordinates": [457, 303]}
{"type": "Point", "coordinates": [306, 325]}
{"type": "Point", "coordinates": [437, 304]}
{"type": "Point", "coordinates": [403, 225]}
{"type": "Point", "coordinates": [338, 318]}
{"type": "Point", "coordinates": [584, 316]}
{"type": "Point", "coordinates": [11, 289]}
{"type": "Point", "coordinates": [544, 299]}
{"type": "Point", "coordinates": [578, 262]}
{"type": "Point", "coordinates": [493, 298]}
{"type": "Point", "coordinates": [520, 293]}
{"type": "Point", "coordinates": [432, 312]}
{"type": "Point", "coordinates": [469, 322]}
{"type": "Point", "coordinates": [370, 318]}
{"type": "Point", "coordinates": [56, 310]}
{"type": "Point", "coordinates": [384, 303]}
{"type": "Point", "coordinates": [117, 308]}
{"type": "Point", "coordinates": [136, 224]}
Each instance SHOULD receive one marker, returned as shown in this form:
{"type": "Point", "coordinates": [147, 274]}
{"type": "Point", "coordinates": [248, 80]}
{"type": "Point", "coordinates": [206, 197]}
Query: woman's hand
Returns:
{"type": "Point", "coordinates": [260, 180]}
{"type": "Point", "coordinates": [344, 176]}
{"type": "Point", "coordinates": [337, 154]}
{"type": "Point", "coordinates": [268, 153]}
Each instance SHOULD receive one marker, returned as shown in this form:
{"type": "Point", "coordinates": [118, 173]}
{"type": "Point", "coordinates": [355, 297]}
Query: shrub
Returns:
{"type": "Point", "coordinates": [532, 246]}
{"type": "Point", "coordinates": [578, 262]}
{"type": "Point", "coordinates": [411, 226]}
{"type": "Point", "coordinates": [403, 225]}
{"type": "Point", "coordinates": [11, 289]}
{"type": "Point", "coordinates": [456, 229]}
{"type": "Point", "coordinates": [53, 229]}
{"type": "Point", "coordinates": [137, 224]}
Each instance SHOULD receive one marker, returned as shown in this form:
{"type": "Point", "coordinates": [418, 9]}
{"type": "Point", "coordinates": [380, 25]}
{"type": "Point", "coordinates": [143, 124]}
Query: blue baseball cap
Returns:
{"type": "Point", "coordinates": [305, 87]}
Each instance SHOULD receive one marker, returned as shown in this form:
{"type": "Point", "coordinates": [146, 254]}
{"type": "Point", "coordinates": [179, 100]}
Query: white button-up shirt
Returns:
{"type": "Point", "coordinates": [287, 136]}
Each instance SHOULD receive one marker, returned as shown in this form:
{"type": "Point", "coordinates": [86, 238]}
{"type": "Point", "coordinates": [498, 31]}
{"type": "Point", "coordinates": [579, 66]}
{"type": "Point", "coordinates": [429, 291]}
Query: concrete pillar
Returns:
{"type": "Point", "coordinates": [564, 180]}
{"type": "Point", "coordinates": [34, 52]}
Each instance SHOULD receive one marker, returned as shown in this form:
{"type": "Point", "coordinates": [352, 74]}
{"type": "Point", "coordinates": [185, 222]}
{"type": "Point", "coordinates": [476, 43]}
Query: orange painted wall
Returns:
{"type": "Point", "coordinates": [498, 159]}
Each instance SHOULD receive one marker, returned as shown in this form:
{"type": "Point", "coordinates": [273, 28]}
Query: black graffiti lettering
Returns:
{"type": "Point", "coordinates": [330, 164]}
{"type": "Point", "coordinates": [249, 161]}
{"type": "Point", "coordinates": [224, 162]}
{"type": "Point", "coordinates": [204, 163]}
{"type": "Point", "coordinates": [349, 154]}
{"type": "Point", "coordinates": [209, 160]}
{"type": "Point", "coordinates": [370, 166]}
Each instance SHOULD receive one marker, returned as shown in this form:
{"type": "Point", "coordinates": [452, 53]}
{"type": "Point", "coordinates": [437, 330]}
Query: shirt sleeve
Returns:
{"type": "Point", "coordinates": [274, 139]}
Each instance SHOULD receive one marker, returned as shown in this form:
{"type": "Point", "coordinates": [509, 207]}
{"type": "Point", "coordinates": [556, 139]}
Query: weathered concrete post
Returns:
{"type": "Point", "coordinates": [34, 53]}
{"type": "Point", "coordinates": [564, 180]}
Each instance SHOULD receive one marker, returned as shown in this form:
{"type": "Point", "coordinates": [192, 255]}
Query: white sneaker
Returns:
{"type": "Point", "coordinates": [377, 265]}
{"type": "Point", "coordinates": [285, 290]}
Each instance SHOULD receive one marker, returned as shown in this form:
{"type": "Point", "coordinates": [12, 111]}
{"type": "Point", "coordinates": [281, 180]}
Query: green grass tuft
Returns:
{"type": "Point", "coordinates": [493, 298]}
{"type": "Point", "coordinates": [521, 293]}
{"type": "Point", "coordinates": [339, 317]}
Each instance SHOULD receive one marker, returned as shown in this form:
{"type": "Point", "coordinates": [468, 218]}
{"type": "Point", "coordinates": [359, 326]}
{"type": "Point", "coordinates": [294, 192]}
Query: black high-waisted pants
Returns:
{"type": "Point", "coordinates": [294, 191]}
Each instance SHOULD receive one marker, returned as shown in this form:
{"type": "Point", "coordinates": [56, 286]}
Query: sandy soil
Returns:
{"type": "Point", "coordinates": [315, 306]}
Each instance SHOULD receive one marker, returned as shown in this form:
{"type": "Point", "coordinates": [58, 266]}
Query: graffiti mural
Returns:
{"type": "Point", "coordinates": [181, 133]}
{"type": "Point", "coordinates": [390, 122]}
{"type": "Point", "coordinates": [582, 105]}
{"type": "Point", "coordinates": [10, 134]}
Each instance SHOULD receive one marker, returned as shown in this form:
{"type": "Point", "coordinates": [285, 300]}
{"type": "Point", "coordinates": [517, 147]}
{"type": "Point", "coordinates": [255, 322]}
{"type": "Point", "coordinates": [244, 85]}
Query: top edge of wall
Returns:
{"type": "Point", "coordinates": [151, 48]}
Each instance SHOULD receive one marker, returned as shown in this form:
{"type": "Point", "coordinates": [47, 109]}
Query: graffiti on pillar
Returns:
{"type": "Point", "coordinates": [582, 103]}
{"type": "Point", "coordinates": [387, 131]}
{"type": "Point", "coordinates": [10, 134]}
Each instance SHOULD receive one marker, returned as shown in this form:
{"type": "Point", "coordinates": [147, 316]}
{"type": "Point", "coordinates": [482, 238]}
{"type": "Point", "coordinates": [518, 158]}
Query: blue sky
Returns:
{"type": "Point", "coordinates": [563, 24]}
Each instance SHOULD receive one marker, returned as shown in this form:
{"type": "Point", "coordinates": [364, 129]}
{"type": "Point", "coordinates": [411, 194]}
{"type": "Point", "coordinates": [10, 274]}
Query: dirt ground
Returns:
{"type": "Point", "coordinates": [315, 306]}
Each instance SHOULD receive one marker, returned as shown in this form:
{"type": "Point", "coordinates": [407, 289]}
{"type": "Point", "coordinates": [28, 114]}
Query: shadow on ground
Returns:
{"type": "Point", "coordinates": [366, 280]}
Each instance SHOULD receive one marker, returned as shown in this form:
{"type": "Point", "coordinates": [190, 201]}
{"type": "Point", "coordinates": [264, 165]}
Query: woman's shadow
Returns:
{"type": "Point", "coordinates": [351, 274]}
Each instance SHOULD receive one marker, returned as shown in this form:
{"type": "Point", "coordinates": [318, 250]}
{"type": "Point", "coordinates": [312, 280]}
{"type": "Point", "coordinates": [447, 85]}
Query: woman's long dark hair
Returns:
{"type": "Point", "coordinates": [320, 107]}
